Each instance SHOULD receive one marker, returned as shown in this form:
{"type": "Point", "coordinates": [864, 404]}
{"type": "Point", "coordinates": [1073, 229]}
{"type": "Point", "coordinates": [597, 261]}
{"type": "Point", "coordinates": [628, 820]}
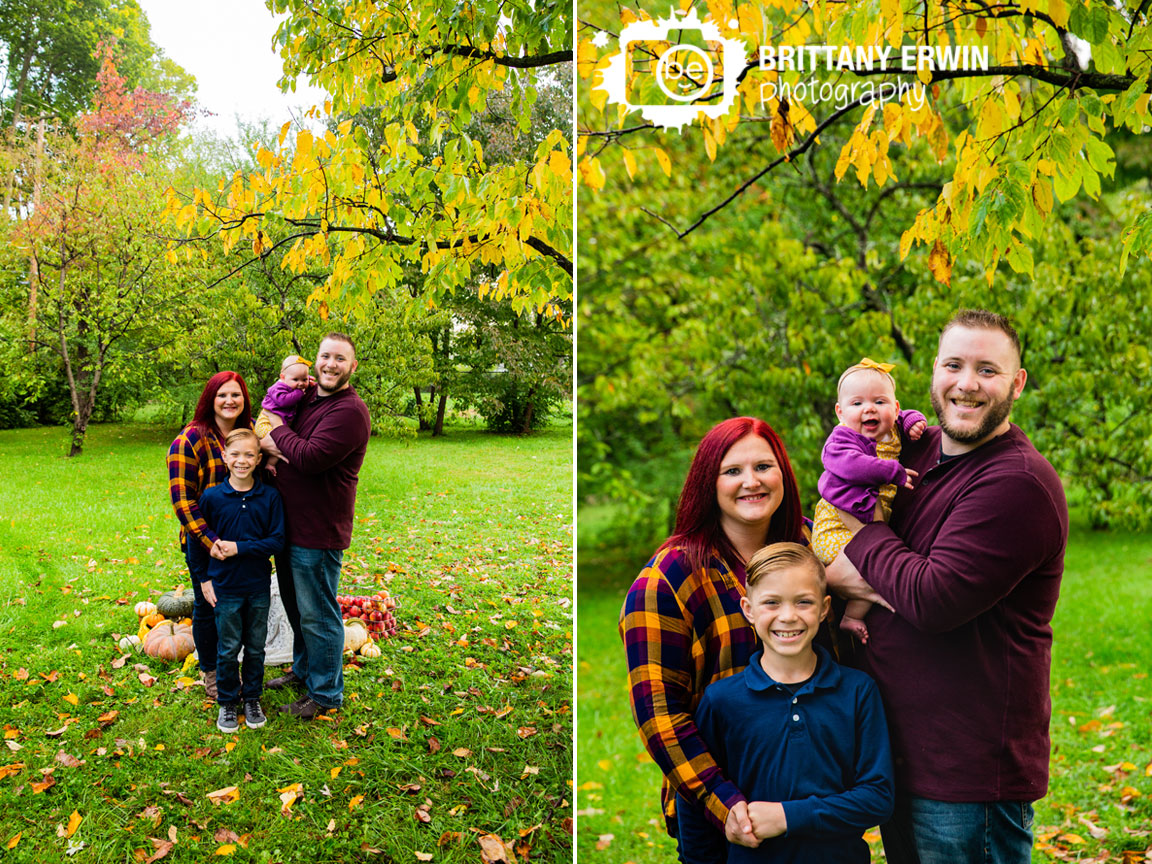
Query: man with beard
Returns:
{"type": "Point", "coordinates": [971, 565]}
{"type": "Point", "coordinates": [322, 452]}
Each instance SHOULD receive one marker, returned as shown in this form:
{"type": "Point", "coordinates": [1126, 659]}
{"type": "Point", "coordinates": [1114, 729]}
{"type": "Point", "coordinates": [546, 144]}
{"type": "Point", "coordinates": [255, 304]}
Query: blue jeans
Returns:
{"type": "Point", "coordinates": [943, 832]}
{"type": "Point", "coordinates": [309, 579]}
{"type": "Point", "coordinates": [203, 616]}
{"type": "Point", "coordinates": [697, 840]}
{"type": "Point", "coordinates": [242, 622]}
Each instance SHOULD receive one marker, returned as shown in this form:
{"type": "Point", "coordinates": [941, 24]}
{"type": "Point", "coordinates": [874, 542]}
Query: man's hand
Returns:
{"type": "Point", "coordinates": [768, 819]}
{"type": "Point", "coordinates": [917, 430]}
{"type": "Point", "coordinates": [269, 446]}
{"type": "Point", "coordinates": [209, 592]}
{"type": "Point", "coordinates": [274, 420]}
{"type": "Point", "coordinates": [738, 827]}
{"type": "Point", "coordinates": [845, 580]}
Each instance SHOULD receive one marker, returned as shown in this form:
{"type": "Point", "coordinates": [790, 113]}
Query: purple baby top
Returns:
{"type": "Point", "coordinates": [282, 399]}
{"type": "Point", "coordinates": [853, 472]}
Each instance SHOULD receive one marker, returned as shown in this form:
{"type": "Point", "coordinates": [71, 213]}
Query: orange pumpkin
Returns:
{"type": "Point", "coordinates": [169, 641]}
{"type": "Point", "coordinates": [153, 619]}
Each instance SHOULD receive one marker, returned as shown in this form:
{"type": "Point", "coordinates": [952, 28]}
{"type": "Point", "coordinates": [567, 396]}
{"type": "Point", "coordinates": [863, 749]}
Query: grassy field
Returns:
{"type": "Point", "coordinates": [461, 732]}
{"type": "Point", "coordinates": [1098, 804]}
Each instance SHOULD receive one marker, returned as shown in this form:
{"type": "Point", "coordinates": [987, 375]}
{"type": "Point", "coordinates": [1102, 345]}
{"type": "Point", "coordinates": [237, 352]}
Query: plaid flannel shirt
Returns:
{"type": "Point", "coordinates": [683, 629]}
{"type": "Point", "coordinates": [195, 463]}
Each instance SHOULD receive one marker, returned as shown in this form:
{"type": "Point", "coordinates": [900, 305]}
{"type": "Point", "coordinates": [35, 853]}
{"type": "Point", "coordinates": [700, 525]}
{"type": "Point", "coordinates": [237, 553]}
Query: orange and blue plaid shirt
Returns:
{"type": "Point", "coordinates": [683, 629]}
{"type": "Point", "coordinates": [195, 463]}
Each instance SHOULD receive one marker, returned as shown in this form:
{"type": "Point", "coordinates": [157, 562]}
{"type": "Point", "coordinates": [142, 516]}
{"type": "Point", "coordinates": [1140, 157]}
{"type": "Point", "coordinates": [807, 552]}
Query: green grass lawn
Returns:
{"type": "Point", "coordinates": [1098, 804]}
{"type": "Point", "coordinates": [461, 730]}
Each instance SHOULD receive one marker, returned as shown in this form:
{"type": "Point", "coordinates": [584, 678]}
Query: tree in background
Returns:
{"type": "Point", "coordinates": [425, 196]}
{"type": "Point", "coordinates": [99, 298]}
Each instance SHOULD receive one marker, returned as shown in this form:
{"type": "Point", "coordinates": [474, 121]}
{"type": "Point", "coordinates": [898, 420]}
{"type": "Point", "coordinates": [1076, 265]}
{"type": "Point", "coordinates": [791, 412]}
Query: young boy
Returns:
{"type": "Point", "coordinates": [803, 738]}
{"type": "Point", "coordinates": [251, 516]}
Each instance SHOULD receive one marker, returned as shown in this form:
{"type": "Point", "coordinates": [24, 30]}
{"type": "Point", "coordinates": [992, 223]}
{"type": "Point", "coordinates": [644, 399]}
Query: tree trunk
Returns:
{"type": "Point", "coordinates": [438, 430]}
{"type": "Point", "coordinates": [424, 425]}
{"type": "Point", "coordinates": [526, 424]}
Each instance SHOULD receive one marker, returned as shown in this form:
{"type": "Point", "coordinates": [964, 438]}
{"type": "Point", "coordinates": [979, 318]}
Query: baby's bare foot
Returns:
{"type": "Point", "coordinates": [856, 627]}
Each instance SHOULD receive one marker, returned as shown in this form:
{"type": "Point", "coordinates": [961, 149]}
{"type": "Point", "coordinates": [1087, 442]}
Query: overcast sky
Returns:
{"type": "Point", "coordinates": [227, 46]}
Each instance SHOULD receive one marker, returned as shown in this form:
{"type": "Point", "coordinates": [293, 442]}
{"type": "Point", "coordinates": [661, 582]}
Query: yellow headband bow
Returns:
{"type": "Point", "coordinates": [869, 363]}
{"type": "Point", "coordinates": [292, 360]}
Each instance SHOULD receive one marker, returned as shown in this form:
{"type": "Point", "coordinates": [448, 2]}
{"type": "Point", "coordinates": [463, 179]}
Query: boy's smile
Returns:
{"type": "Point", "coordinates": [241, 459]}
{"type": "Point", "coordinates": [786, 607]}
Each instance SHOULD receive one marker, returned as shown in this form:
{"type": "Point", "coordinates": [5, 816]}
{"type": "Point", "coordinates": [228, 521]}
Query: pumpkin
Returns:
{"type": "Point", "coordinates": [145, 608]}
{"type": "Point", "coordinates": [369, 649]}
{"type": "Point", "coordinates": [130, 643]}
{"type": "Point", "coordinates": [176, 604]}
{"type": "Point", "coordinates": [169, 641]}
{"type": "Point", "coordinates": [355, 635]}
{"type": "Point", "coordinates": [153, 619]}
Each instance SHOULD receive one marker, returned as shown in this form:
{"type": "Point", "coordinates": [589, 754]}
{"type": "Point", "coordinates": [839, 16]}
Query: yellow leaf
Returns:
{"type": "Point", "coordinates": [991, 120]}
{"type": "Point", "coordinates": [709, 144]}
{"type": "Point", "coordinates": [226, 849]}
{"type": "Point", "coordinates": [71, 699]}
{"type": "Point", "coordinates": [1071, 838]}
{"type": "Point", "coordinates": [629, 163]}
{"type": "Point", "coordinates": [335, 772]}
{"type": "Point", "coordinates": [224, 796]}
{"type": "Point", "coordinates": [73, 823]}
{"type": "Point", "coordinates": [591, 173]}
{"type": "Point", "coordinates": [586, 55]}
{"type": "Point", "coordinates": [604, 764]}
{"type": "Point", "coordinates": [561, 166]}
{"type": "Point", "coordinates": [16, 839]}
{"type": "Point", "coordinates": [355, 802]}
{"type": "Point", "coordinates": [940, 263]}
{"type": "Point", "coordinates": [462, 752]}
{"type": "Point", "coordinates": [664, 161]}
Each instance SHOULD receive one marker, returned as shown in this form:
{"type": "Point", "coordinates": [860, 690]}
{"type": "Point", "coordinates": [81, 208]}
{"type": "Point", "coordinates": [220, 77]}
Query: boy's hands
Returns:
{"type": "Point", "coordinates": [917, 430]}
{"type": "Point", "coordinates": [222, 549]}
{"type": "Point", "coordinates": [738, 827]}
{"type": "Point", "coordinates": [208, 591]}
{"type": "Point", "coordinates": [768, 819]}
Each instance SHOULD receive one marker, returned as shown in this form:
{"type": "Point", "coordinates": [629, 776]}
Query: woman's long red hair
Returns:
{"type": "Point", "coordinates": [698, 531]}
{"type": "Point", "coordinates": [204, 418]}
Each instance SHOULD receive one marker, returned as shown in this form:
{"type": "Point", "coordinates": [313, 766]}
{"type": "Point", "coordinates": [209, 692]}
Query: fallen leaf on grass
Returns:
{"type": "Point", "coordinates": [47, 783]}
{"type": "Point", "coordinates": [224, 796]}
{"type": "Point", "coordinates": [423, 856]}
{"type": "Point", "coordinates": [73, 823]}
{"type": "Point", "coordinates": [355, 802]}
{"type": "Point", "coordinates": [162, 847]}
{"type": "Point", "coordinates": [529, 769]}
{"type": "Point", "coordinates": [226, 849]}
{"type": "Point", "coordinates": [108, 718]}
{"type": "Point", "coordinates": [119, 662]}
{"type": "Point", "coordinates": [462, 752]}
{"type": "Point", "coordinates": [493, 850]}
{"type": "Point", "coordinates": [335, 772]}
{"type": "Point", "coordinates": [14, 768]}
{"type": "Point", "coordinates": [1074, 839]}
{"type": "Point", "coordinates": [16, 839]}
{"type": "Point", "coordinates": [398, 734]}
{"type": "Point", "coordinates": [526, 731]}
{"type": "Point", "coordinates": [74, 847]}
{"type": "Point", "coordinates": [146, 679]}
{"type": "Point", "coordinates": [68, 761]}
{"type": "Point", "coordinates": [423, 816]}
{"type": "Point", "coordinates": [72, 699]}
{"type": "Point", "coordinates": [449, 837]}
{"type": "Point", "coordinates": [152, 814]}
{"type": "Point", "coordinates": [289, 796]}
{"type": "Point", "coordinates": [56, 733]}
{"type": "Point", "coordinates": [410, 787]}
{"type": "Point", "coordinates": [433, 745]}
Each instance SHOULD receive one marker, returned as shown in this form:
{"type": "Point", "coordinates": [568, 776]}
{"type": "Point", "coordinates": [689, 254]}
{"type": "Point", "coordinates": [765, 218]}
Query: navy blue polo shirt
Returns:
{"type": "Point", "coordinates": [254, 520]}
{"type": "Point", "coordinates": [823, 752]}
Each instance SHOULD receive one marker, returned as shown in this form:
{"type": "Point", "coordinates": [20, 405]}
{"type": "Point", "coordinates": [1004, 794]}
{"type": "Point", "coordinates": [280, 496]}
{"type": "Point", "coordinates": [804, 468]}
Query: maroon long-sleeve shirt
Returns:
{"type": "Point", "coordinates": [971, 562]}
{"type": "Point", "coordinates": [325, 447]}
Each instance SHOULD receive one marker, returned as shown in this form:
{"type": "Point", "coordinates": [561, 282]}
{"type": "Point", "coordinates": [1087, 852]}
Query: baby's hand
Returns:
{"type": "Point", "coordinates": [917, 430]}
{"type": "Point", "coordinates": [911, 474]}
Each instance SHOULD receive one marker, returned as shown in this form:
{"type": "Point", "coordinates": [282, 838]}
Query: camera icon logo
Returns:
{"type": "Point", "coordinates": [685, 69]}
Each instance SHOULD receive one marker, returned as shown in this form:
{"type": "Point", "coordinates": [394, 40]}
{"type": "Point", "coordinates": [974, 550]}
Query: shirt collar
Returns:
{"type": "Point", "coordinates": [256, 489]}
{"type": "Point", "coordinates": [827, 674]}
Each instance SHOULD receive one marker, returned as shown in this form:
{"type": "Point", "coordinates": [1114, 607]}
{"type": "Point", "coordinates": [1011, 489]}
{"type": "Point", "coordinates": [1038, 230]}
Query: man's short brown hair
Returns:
{"type": "Point", "coordinates": [342, 337]}
{"type": "Point", "coordinates": [784, 556]}
{"type": "Point", "coordinates": [982, 319]}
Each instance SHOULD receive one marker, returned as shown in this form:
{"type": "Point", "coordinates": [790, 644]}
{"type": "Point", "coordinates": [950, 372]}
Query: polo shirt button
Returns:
{"type": "Point", "coordinates": [796, 717]}
{"type": "Point", "coordinates": [794, 700]}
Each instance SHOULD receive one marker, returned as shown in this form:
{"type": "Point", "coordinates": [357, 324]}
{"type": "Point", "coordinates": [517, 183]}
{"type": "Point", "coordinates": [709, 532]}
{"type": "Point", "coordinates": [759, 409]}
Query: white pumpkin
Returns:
{"type": "Point", "coordinates": [369, 649]}
{"type": "Point", "coordinates": [355, 634]}
{"type": "Point", "coordinates": [130, 643]}
{"type": "Point", "coordinates": [145, 608]}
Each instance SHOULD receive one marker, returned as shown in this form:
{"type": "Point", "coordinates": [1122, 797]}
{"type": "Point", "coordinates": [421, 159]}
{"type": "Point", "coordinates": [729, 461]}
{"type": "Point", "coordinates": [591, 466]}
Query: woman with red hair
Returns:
{"type": "Point", "coordinates": [682, 625]}
{"type": "Point", "coordinates": [196, 463]}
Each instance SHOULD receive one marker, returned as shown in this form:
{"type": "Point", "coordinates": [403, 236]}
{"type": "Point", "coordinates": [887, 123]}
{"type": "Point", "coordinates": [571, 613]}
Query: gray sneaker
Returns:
{"type": "Point", "coordinates": [254, 714]}
{"type": "Point", "coordinates": [227, 720]}
{"type": "Point", "coordinates": [209, 684]}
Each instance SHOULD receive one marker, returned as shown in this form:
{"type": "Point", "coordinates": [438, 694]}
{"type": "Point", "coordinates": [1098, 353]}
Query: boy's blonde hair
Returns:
{"type": "Point", "coordinates": [784, 556]}
{"type": "Point", "coordinates": [239, 434]}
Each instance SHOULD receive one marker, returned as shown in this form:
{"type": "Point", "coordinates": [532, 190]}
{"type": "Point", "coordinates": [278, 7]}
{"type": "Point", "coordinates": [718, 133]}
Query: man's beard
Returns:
{"type": "Point", "coordinates": [340, 382]}
{"type": "Point", "coordinates": [995, 414]}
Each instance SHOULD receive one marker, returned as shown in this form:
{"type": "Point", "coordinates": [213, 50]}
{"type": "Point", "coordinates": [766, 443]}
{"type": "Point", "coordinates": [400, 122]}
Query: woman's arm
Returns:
{"type": "Point", "coordinates": [184, 466]}
{"type": "Point", "coordinates": [658, 640]}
